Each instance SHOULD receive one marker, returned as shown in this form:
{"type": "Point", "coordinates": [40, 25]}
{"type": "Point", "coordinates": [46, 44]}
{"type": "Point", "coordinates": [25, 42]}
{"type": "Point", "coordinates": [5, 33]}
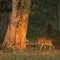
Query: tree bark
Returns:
{"type": "Point", "coordinates": [16, 33]}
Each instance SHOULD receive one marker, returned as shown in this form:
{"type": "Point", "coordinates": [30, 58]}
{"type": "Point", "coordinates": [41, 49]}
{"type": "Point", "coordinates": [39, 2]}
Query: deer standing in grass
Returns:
{"type": "Point", "coordinates": [44, 42]}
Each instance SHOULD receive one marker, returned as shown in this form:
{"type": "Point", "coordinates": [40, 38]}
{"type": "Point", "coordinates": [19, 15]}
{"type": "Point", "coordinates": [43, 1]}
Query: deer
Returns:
{"type": "Point", "coordinates": [44, 42]}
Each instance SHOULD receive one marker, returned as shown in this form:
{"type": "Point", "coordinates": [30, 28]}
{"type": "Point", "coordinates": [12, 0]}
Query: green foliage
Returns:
{"type": "Point", "coordinates": [5, 6]}
{"type": "Point", "coordinates": [0, 18]}
{"type": "Point", "coordinates": [2, 33]}
{"type": "Point", "coordinates": [43, 12]}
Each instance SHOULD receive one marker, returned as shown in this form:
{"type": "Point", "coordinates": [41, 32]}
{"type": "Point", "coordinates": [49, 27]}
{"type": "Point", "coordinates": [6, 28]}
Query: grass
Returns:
{"type": "Point", "coordinates": [42, 55]}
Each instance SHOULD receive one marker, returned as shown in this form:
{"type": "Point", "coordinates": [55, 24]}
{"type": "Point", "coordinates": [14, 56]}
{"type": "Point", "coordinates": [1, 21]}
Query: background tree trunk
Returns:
{"type": "Point", "coordinates": [16, 33]}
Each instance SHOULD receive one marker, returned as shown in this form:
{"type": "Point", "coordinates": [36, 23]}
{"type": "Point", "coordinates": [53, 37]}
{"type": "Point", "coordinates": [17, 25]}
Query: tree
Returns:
{"type": "Point", "coordinates": [17, 28]}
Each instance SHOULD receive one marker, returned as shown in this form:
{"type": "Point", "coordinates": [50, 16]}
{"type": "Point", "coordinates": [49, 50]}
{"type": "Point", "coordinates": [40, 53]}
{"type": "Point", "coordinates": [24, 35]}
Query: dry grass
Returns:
{"type": "Point", "coordinates": [30, 54]}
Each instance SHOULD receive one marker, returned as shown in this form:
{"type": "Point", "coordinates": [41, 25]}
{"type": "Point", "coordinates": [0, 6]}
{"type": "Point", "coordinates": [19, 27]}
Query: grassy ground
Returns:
{"type": "Point", "coordinates": [31, 54]}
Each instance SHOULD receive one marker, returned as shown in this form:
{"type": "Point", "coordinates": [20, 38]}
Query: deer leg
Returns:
{"type": "Point", "coordinates": [50, 48]}
{"type": "Point", "coordinates": [41, 47]}
{"type": "Point", "coordinates": [45, 46]}
{"type": "Point", "coordinates": [53, 47]}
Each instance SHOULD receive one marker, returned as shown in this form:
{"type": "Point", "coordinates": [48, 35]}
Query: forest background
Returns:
{"type": "Point", "coordinates": [42, 13]}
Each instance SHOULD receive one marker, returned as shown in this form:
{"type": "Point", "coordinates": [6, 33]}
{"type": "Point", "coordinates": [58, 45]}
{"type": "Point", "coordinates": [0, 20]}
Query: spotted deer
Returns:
{"type": "Point", "coordinates": [44, 42]}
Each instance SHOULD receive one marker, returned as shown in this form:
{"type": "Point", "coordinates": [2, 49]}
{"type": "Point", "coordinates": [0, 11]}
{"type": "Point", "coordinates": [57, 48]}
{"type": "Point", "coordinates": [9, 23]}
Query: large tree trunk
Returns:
{"type": "Point", "coordinates": [16, 33]}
